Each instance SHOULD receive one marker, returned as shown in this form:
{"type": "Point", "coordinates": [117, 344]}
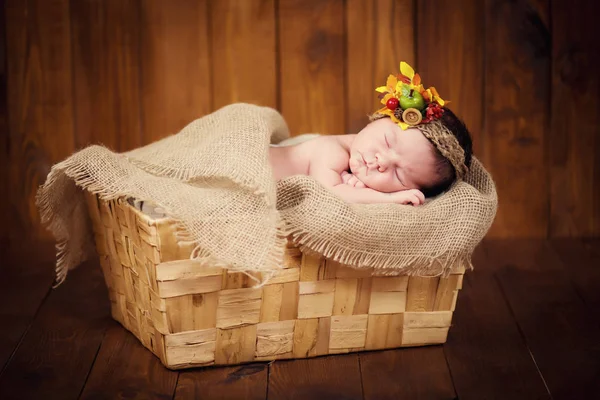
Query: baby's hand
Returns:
{"type": "Point", "coordinates": [351, 180]}
{"type": "Point", "coordinates": [412, 196]}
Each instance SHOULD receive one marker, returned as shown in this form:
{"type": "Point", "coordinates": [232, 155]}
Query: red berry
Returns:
{"type": "Point", "coordinates": [392, 103]}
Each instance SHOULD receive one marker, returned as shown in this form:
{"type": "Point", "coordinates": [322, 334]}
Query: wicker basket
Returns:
{"type": "Point", "coordinates": [190, 315]}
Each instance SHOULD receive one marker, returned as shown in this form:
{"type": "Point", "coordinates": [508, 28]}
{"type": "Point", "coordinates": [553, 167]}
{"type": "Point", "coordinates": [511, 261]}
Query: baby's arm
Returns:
{"type": "Point", "coordinates": [332, 180]}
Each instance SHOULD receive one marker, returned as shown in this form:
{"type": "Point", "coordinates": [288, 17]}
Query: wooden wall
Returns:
{"type": "Point", "coordinates": [522, 73]}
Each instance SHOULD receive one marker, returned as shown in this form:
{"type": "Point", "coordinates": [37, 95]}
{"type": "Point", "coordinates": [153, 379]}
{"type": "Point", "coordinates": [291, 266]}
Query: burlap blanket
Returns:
{"type": "Point", "coordinates": [215, 179]}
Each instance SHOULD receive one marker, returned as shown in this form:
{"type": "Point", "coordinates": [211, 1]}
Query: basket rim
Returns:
{"type": "Point", "coordinates": [142, 215]}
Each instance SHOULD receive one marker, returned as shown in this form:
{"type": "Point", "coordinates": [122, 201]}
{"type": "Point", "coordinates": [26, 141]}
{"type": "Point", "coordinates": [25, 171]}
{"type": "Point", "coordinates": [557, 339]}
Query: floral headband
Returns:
{"type": "Point", "coordinates": [409, 104]}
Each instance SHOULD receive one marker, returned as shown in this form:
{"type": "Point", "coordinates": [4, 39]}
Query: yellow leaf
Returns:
{"type": "Point", "coordinates": [382, 89]}
{"type": "Point", "coordinates": [385, 111]}
{"type": "Point", "coordinates": [403, 125]}
{"type": "Point", "coordinates": [391, 82]}
{"type": "Point", "coordinates": [434, 91]}
{"type": "Point", "coordinates": [407, 70]}
{"type": "Point", "coordinates": [399, 87]}
{"type": "Point", "coordinates": [439, 100]}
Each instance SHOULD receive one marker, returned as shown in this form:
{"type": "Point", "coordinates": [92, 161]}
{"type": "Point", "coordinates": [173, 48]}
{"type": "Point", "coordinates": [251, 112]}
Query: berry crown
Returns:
{"type": "Point", "coordinates": [407, 102]}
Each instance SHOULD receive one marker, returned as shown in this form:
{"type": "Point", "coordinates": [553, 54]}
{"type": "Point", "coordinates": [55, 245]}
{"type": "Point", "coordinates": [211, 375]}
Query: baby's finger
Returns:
{"type": "Point", "coordinates": [420, 195]}
{"type": "Point", "coordinates": [359, 184]}
{"type": "Point", "coordinates": [414, 199]}
{"type": "Point", "coordinates": [418, 201]}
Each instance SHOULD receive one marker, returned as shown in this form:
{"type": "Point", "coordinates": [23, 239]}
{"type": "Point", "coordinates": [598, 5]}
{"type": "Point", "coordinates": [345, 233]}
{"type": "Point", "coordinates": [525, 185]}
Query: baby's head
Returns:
{"type": "Point", "coordinates": [387, 158]}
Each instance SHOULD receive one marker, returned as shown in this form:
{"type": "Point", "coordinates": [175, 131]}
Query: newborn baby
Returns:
{"type": "Point", "coordinates": [381, 164]}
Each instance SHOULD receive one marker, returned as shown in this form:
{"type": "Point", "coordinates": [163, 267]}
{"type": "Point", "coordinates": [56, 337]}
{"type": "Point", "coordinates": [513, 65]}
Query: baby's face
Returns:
{"type": "Point", "coordinates": [387, 159]}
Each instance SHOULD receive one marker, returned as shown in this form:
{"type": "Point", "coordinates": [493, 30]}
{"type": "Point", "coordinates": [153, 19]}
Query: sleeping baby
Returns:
{"type": "Point", "coordinates": [403, 156]}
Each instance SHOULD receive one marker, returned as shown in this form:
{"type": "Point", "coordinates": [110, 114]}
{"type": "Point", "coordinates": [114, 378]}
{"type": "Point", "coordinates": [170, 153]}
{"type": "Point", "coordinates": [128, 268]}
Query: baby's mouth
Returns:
{"type": "Point", "coordinates": [367, 165]}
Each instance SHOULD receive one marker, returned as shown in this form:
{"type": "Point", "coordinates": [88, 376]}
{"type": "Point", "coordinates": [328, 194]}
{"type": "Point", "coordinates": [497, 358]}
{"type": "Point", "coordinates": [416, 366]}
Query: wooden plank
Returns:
{"type": "Point", "coordinates": [39, 101]}
{"type": "Point", "coordinates": [376, 44]}
{"type": "Point", "coordinates": [331, 377]}
{"type": "Point", "coordinates": [415, 373]}
{"type": "Point", "coordinates": [517, 73]}
{"type": "Point", "coordinates": [56, 355]}
{"type": "Point", "coordinates": [581, 264]}
{"type": "Point", "coordinates": [485, 351]}
{"type": "Point", "coordinates": [311, 40]}
{"type": "Point", "coordinates": [561, 332]}
{"type": "Point", "coordinates": [22, 291]}
{"type": "Point", "coordinates": [175, 71]}
{"type": "Point", "coordinates": [243, 52]}
{"type": "Point", "coordinates": [574, 153]}
{"type": "Point", "coordinates": [124, 365]}
{"type": "Point", "coordinates": [450, 57]}
{"type": "Point", "coordinates": [243, 382]}
{"type": "Point", "coordinates": [592, 245]}
{"type": "Point", "coordinates": [106, 36]}
{"type": "Point", "coordinates": [6, 228]}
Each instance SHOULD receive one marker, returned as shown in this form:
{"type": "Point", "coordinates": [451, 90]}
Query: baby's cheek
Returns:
{"type": "Point", "coordinates": [385, 183]}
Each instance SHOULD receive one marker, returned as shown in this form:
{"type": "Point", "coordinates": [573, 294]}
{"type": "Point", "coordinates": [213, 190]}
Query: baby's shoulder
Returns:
{"type": "Point", "coordinates": [328, 151]}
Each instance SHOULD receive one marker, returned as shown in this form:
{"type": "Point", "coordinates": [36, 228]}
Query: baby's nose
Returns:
{"type": "Point", "coordinates": [382, 161]}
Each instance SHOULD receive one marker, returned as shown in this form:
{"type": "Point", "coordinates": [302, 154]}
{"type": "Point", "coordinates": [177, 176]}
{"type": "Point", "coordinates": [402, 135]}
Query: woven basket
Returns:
{"type": "Point", "coordinates": [192, 315]}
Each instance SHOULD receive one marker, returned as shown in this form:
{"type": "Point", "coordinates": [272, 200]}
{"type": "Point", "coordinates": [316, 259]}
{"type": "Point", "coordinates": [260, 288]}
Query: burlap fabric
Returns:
{"type": "Point", "coordinates": [215, 179]}
{"type": "Point", "coordinates": [427, 240]}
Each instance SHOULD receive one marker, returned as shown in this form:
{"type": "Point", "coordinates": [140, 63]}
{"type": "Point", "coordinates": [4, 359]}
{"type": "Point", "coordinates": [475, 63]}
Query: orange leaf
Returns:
{"type": "Point", "coordinates": [391, 82]}
{"type": "Point", "coordinates": [427, 95]}
{"type": "Point", "coordinates": [416, 80]}
{"type": "Point", "coordinates": [404, 79]}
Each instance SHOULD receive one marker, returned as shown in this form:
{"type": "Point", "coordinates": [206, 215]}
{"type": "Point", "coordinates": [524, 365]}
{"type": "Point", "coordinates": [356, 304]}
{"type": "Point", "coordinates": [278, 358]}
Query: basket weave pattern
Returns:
{"type": "Point", "coordinates": [192, 315]}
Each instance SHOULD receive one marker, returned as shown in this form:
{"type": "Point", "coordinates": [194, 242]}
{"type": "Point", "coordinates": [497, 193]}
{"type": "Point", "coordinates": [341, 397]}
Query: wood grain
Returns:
{"type": "Point", "coordinates": [413, 373]}
{"type": "Point", "coordinates": [125, 73]}
{"type": "Point", "coordinates": [243, 382]}
{"type": "Point", "coordinates": [125, 369]}
{"type": "Point", "coordinates": [331, 377]}
{"type": "Point", "coordinates": [311, 40]}
{"type": "Point", "coordinates": [580, 262]}
{"type": "Point", "coordinates": [485, 351]}
{"type": "Point", "coordinates": [243, 52]}
{"type": "Point", "coordinates": [542, 299]}
{"type": "Point", "coordinates": [517, 77]}
{"type": "Point", "coordinates": [39, 100]}
{"type": "Point", "coordinates": [574, 137]}
{"type": "Point", "coordinates": [22, 291]}
{"type": "Point", "coordinates": [56, 355]}
{"type": "Point", "coordinates": [106, 73]}
{"type": "Point", "coordinates": [450, 45]}
{"type": "Point", "coordinates": [175, 71]}
{"type": "Point", "coordinates": [375, 43]}
{"type": "Point", "coordinates": [4, 140]}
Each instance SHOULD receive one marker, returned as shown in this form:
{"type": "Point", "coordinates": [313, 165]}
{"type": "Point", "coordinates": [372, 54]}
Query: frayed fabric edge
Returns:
{"type": "Point", "coordinates": [66, 261]}
{"type": "Point", "coordinates": [441, 265]}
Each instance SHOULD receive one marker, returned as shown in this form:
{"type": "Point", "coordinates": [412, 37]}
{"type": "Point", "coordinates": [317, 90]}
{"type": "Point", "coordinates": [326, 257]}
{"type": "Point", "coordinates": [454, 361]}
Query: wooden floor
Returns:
{"type": "Point", "coordinates": [527, 326]}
